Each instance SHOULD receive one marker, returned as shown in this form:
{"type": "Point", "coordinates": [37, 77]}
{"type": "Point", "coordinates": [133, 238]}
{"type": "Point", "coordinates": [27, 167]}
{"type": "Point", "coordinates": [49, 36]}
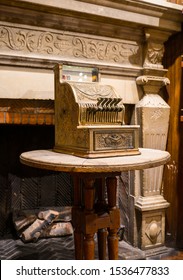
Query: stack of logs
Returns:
{"type": "Point", "coordinates": [46, 223]}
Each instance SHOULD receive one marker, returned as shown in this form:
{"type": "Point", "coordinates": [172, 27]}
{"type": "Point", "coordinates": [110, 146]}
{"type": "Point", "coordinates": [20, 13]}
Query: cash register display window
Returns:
{"type": "Point", "coordinates": [79, 74]}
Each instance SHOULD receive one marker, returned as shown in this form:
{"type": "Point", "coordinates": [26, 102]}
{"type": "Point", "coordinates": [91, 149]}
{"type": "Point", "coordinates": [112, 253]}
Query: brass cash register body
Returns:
{"type": "Point", "coordinates": [89, 120]}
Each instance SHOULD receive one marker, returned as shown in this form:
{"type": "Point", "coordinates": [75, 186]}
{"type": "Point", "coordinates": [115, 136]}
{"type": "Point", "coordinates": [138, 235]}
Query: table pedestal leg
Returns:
{"type": "Point", "coordinates": [78, 243]}
{"type": "Point", "coordinates": [103, 220]}
{"type": "Point", "coordinates": [101, 207]}
{"type": "Point", "coordinates": [76, 214]}
{"type": "Point", "coordinates": [102, 241]}
{"type": "Point", "coordinates": [90, 228]}
{"type": "Point", "coordinates": [111, 183]}
{"type": "Point", "coordinates": [89, 247]}
{"type": "Point", "coordinates": [113, 245]}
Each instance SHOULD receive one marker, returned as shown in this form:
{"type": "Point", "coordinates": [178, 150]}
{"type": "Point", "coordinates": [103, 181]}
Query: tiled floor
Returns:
{"type": "Point", "coordinates": [43, 249]}
{"type": "Point", "coordinates": [63, 249]}
{"type": "Point", "coordinates": [178, 255]}
{"type": "Point", "coordinates": [54, 249]}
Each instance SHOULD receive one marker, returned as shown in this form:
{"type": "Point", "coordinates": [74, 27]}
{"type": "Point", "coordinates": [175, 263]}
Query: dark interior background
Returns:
{"type": "Point", "coordinates": [23, 187]}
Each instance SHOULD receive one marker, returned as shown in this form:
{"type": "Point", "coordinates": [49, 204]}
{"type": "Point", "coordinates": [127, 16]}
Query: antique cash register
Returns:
{"type": "Point", "coordinates": [89, 120]}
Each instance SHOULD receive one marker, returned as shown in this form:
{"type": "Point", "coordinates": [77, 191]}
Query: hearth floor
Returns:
{"type": "Point", "coordinates": [44, 249]}
{"type": "Point", "coordinates": [60, 248]}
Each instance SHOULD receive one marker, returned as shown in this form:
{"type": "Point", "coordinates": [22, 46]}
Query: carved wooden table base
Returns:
{"type": "Point", "coordinates": [91, 213]}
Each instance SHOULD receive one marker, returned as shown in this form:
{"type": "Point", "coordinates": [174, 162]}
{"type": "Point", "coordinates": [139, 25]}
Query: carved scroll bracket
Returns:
{"type": "Point", "coordinates": [154, 48]}
{"type": "Point", "coordinates": [152, 84]}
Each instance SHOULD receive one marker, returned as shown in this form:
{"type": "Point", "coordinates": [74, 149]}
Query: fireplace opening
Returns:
{"type": "Point", "coordinates": [22, 187]}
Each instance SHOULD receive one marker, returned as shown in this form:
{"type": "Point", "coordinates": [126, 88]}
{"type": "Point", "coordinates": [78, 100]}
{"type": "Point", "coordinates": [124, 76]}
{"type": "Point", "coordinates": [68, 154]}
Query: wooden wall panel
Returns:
{"type": "Point", "coordinates": [173, 179]}
{"type": "Point", "coordinates": [180, 2]}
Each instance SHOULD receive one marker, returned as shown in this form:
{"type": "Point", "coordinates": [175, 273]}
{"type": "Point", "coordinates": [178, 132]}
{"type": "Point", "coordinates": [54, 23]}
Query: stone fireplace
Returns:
{"type": "Point", "coordinates": [124, 40]}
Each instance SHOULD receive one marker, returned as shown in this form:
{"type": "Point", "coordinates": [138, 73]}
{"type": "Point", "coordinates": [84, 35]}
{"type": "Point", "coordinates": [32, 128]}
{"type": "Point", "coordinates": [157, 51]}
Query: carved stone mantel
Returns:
{"type": "Point", "coordinates": [110, 34]}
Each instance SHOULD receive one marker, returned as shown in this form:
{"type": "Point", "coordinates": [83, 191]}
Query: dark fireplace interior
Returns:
{"type": "Point", "coordinates": [22, 187]}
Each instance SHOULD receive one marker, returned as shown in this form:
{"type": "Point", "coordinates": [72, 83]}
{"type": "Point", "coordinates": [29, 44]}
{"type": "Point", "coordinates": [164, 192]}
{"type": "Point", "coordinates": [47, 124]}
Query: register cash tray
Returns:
{"type": "Point", "coordinates": [89, 121]}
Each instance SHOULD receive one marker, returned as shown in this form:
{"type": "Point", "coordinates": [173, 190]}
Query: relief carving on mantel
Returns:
{"type": "Point", "coordinates": [154, 55]}
{"type": "Point", "coordinates": [154, 48]}
{"type": "Point", "coordinates": [64, 45]}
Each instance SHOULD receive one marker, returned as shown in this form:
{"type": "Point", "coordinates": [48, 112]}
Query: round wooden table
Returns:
{"type": "Point", "coordinates": [91, 178]}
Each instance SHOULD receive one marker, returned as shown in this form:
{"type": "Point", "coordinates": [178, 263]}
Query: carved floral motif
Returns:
{"type": "Point", "coordinates": [154, 55]}
{"type": "Point", "coordinates": [104, 50]}
{"type": "Point", "coordinates": [68, 45]}
{"type": "Point", "coordinates": [113, 141]}
{"type": "Point", "coordinates": [25, 40]}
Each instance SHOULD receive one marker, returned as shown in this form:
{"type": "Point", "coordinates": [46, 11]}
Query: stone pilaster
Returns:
{"type": "Point", "coordinates": [152, 114]}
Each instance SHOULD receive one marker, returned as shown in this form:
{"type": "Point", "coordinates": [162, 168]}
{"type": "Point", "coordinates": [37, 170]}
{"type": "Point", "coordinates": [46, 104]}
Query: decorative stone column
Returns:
{"type": "Point", "coordinates": [152, 114]}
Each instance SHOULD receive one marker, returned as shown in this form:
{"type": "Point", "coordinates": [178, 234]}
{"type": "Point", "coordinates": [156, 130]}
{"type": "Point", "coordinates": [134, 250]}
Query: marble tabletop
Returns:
{"type": "Point", "coordinates": [51, 160]}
